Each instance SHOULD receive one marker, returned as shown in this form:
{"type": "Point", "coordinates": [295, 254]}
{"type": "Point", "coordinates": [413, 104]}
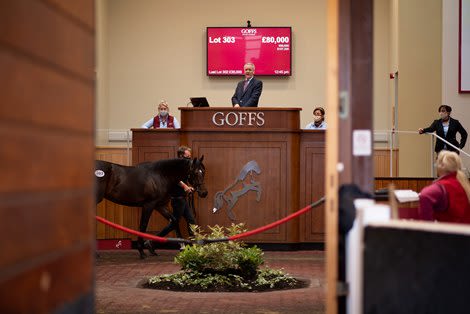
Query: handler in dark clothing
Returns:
{"type": "Point", "coordinates": [447, 128]}
{"type": "Point", "coordinates": [179, 202]}
{"type": "Point", "coordinates": [249, 90]}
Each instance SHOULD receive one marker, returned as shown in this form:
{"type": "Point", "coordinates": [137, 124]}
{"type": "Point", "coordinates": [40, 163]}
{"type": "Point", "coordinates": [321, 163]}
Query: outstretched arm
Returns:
{"type": "Point", "coordinates": [430, 129]}
{"type": "Point", "coordinates": [186, 187]}
{"type": "Point", "coordinates": [148, 124]}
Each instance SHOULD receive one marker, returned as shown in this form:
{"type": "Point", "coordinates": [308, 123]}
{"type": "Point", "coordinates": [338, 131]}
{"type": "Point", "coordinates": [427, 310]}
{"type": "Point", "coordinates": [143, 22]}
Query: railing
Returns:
{"type": "Point", "coordinates": [455, 147]}
{"type": "Point", "coordinates": [394, 137]}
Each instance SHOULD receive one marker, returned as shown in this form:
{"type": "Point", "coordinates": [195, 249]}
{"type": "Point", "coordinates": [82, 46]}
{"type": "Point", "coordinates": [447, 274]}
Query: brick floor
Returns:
{"type": "Point", "coordinates": [118, 274]}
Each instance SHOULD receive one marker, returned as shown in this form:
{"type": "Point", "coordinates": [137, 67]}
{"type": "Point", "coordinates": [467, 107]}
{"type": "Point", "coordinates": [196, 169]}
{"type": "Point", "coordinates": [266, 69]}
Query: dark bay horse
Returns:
{"type": "Point", "coordinates": [147, 185]}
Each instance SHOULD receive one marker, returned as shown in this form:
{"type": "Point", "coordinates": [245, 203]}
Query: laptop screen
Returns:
{"type": "Point", "coordinates": [199, 101]}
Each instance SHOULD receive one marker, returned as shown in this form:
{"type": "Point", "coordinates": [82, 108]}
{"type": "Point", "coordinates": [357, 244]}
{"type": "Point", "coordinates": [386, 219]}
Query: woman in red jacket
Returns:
{"type": "Point", "coordinates": [447, 199]}
{"type": "Point", "coordinates": [163, 120]}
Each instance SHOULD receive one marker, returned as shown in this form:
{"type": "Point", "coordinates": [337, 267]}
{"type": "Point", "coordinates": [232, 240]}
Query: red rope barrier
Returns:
{"type": "Point", "coordinates": [137, 233]}
{"type": "Point", "coordinates": [276, 223]}
{"type": "Point", "coordinates": [231, 238]}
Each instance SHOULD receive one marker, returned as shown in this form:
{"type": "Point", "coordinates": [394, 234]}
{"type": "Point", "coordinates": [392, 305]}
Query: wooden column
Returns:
{"type": "Point", "coordinates": [47, 205]}
{"type": "Point", "coordinates": [332, 148]}
{"type": "Point", "coordinates": [349, 96]}
{"type": "Point", "coordinates": [355, 88]}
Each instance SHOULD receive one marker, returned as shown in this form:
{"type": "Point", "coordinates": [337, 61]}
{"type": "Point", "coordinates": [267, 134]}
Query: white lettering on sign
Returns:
{"type": "Point", "coordinates": [248, 31]}
{"type": "Point", "coordinates": [222, 40]}
{"type": "Point", "coordinates": [238, 118]}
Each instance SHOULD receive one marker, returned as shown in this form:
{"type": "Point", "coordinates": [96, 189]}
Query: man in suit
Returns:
{"type": "Point", "coordinates": [249, 90]}
{"type": "Point", "coordinates": [447, 128]}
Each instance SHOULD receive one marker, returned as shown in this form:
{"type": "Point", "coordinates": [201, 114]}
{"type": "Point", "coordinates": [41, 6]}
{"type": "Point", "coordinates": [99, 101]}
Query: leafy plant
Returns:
{"type": "Point", "coordinates": [222, 266]}
{"type": "Point", "coordinates": [230, 257]}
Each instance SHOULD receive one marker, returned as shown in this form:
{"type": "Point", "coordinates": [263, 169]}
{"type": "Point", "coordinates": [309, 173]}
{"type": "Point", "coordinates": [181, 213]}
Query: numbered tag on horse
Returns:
{"type": "Point", "coordinates": [99, 173]}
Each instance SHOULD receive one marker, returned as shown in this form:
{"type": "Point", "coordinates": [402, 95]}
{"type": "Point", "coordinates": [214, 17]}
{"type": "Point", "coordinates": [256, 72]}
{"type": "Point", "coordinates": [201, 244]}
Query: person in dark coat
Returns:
{"type": "Point", "coordinates": [179, 202]}
{"type": "Point", "coordinates": [447, 128]}
{"type": "Point", "coordinates": [249, 90]}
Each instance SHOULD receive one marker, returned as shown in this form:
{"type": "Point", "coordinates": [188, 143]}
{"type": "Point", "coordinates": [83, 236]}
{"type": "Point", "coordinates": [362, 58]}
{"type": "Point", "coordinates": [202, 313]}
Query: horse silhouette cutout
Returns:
{"type": "Point", "coordinates": [231, 197]}
{"type": "Point", "coordinates": [147, 185]}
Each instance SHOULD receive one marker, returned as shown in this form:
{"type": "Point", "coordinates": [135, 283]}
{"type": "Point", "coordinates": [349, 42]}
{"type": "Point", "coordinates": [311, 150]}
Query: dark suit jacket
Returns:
{"type": "Point", "coordinates": [454, 127]}
{"type": "Point", "coordinates": [249, 97]}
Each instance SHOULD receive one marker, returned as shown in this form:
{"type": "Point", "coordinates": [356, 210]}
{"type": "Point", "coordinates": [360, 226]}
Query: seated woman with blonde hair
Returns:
{"type": "Point", "coordinates": [447, 198]}
{"type": "Point", "coordinates": [163, 120]}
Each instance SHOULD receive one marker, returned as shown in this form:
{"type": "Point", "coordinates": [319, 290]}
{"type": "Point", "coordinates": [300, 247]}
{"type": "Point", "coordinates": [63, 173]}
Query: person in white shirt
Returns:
{"type": "Point", "coordinates": [318, 120]}
{"type": "Point", "coordinates": [163, 120]}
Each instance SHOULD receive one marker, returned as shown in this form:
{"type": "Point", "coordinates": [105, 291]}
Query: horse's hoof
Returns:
{"type": "Point", "coordinates": [149, 245]}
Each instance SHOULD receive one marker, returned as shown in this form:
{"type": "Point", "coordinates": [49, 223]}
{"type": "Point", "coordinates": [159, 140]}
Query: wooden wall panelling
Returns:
{"type": "Point", "coordinates": [225, 154]}
{"type": "Point", "coordinates": [382, 162]}
{"type": "Point", "coordinates": [312, 187]}
{"type": "Point", "coordinates": [118, 155]}
{"type": "Point", "coordinates": [151, 145]}
{"type": "Point", "coordinates": [154, 144]}
{"type": "Point", "coordinates": [415, 184]}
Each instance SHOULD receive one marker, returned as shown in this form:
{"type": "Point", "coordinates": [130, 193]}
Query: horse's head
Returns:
{"type": "Point", "coordinates": [197, 172]}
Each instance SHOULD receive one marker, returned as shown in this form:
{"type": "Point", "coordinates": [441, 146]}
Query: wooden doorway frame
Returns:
{"type": "Point", "coordinates": [349, 100]}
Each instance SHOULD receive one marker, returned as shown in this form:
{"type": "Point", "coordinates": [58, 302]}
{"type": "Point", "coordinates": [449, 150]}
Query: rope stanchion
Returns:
{"type": "Point", "coordinates": [231, 238]}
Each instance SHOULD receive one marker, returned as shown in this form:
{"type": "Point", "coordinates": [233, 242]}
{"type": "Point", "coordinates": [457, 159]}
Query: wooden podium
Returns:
{"type": "Point", "coordinates": [258, 163]}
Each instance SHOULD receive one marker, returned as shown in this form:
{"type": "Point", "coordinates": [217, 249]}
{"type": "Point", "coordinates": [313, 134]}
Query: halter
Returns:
{"type": "Point", "coordinates": [193, 174]}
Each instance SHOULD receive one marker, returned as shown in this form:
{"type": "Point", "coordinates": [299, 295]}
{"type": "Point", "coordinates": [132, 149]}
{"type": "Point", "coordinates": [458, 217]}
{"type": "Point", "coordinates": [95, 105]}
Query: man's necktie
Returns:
{"type": "Point", "coordinates": [246, 84]}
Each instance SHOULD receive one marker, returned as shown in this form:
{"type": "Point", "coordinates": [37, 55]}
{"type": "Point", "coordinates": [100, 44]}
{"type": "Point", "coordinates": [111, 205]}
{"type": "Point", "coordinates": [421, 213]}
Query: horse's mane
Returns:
{"type": "Point", "coordinates": [161, 163]}
{"type": "Point", "coordinates": [173, 165]}
{"type": "Point", "coordinates": [165, 163]}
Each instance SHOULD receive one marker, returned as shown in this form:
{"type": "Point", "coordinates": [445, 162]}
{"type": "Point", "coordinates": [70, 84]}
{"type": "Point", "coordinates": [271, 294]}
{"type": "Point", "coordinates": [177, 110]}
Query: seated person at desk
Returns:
{"type": "Point", "coordinates": [163, 120]}
{"type": "Point", "coordinates": [318, 120]}
{"type": "Point", "coordinates": [447, 198]}
{"type": "Point", "coordinates": [249, 90]}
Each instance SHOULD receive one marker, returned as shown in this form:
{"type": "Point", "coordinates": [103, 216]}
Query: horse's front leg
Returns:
{"type": "Point", "coordinates": [144, 221]}
{"type": "Point", "coordinates": [163, 210]}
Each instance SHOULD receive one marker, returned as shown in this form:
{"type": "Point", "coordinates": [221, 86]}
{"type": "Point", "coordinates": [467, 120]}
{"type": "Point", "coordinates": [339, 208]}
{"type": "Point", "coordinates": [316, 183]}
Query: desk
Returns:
{"type": "Point", "coordinates": [290, 160]}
